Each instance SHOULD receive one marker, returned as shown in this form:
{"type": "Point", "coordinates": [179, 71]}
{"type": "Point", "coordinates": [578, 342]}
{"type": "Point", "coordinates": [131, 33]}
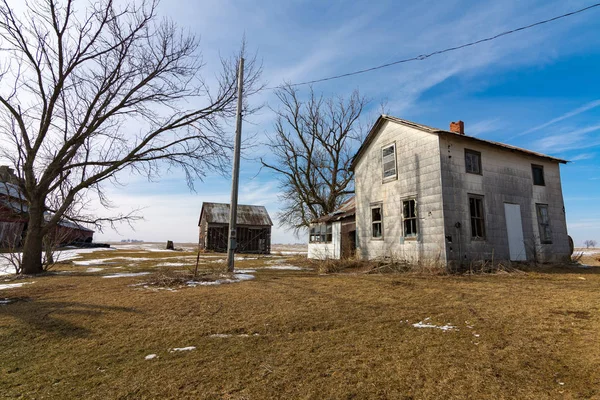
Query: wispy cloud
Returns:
{"type": "Point", "coordinates": [586, 107]}
{"type": "Point", "coordinates": [573, 140]}
{"type": "Point", "coordinates": [583, 156]}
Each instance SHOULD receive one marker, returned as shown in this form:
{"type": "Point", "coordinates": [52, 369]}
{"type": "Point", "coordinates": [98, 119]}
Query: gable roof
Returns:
{"type": "Point", "coordinates": [345, 210]}
{"type": "Point", "coordinates": [218, 213]}
{"type": "Point", "coordinates": [383, 118]}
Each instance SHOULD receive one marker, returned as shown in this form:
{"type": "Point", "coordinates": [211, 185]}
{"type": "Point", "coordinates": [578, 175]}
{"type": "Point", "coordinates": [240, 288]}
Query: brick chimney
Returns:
{"type": "Point", "coordinates": [457, 127]}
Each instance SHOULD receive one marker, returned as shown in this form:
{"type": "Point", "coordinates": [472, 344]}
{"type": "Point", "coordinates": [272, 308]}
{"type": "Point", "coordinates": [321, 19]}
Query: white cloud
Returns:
{"type": "Point", "coordinates": [586, 107]}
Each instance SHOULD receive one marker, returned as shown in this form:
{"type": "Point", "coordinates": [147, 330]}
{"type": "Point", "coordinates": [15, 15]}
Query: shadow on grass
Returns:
{"type": "Point", "coordinates": [47, 316]}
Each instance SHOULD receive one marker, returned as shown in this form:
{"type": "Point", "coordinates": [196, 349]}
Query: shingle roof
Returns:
{"type": "Point", "coordinates": [218, 213]}
{"type": "Point", "coordinates": [346, 209]}
{"type": "Point", "coordinates": [425, 128]}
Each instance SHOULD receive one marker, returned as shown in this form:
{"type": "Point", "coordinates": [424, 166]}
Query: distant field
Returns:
{"type": "Point", "coordinates": [99, 328]}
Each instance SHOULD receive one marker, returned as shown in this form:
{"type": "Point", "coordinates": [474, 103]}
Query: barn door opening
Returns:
{"type": "Point", "coordinates": [514, 228]}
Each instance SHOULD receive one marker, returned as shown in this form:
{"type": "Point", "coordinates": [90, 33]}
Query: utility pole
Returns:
{"type": "Point", "coordinates": [235, 176]}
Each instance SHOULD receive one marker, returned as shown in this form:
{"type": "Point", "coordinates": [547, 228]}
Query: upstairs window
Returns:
{"type": "Point", "coordinates": [544, 223]}
{"type": "Point", "coordinates": [473, 161]}
{"type": "Point", "coordinates": [409, 217]}
{"type": "Point", "coordinates": [320, 233]}
{"type": "Point", "coordinates": [377, 222]}
{"type": "Point", "coordinates": [538, 175]}
{"type": "Point", "coordinates": [477, 217]}
{"type": "Point", "coordinates": [388, 162]}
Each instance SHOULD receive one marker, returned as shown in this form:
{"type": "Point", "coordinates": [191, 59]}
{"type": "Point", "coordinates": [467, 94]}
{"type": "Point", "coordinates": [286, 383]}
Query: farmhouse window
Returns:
{"type": "Point", "coordinates": [377, 222]}
{"type": "Point", "coordinates": [477, 218]}
{"type": "Point", "coordinates": [321, 233]}
{"type": "Point", "coordinates": [538, 175]}
{"type": "Point", "coordinates": [388, 161]}
{"type": "Point", "coordinates": [473, 161]}
{"type": "Point", "coordinates": [409, 216]}
{"type": "Point", "coordinates": [544, 223]}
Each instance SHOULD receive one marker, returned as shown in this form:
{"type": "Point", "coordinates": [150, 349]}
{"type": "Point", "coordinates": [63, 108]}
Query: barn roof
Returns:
{"type": "Point", "coordinates": [345, 210]}
{"type": "Point", "coordinates": [429, 129]}
{"type": "Point", "coordinates": [218, 213]}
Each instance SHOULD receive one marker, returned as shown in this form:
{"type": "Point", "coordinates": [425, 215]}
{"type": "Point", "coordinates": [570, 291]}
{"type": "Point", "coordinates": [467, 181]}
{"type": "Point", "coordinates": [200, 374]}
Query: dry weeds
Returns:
{"type": "Point", "coordinates": [298, 334]}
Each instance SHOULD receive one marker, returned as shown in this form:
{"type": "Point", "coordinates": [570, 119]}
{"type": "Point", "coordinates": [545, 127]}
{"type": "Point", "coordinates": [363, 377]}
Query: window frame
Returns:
{"type": "Point", "coordinates": [541, 168]}
{"type": "Point", "coordinates": [320, 233]}
{"type": "Point", "coordinates": [475, 153]}
{"type": "Point", "coordinates": [542, 225]}
{"type": "Point", "coordinates": [380, 221]}
{"type": "Point", "coordinates": [475, 218]}
{"type": "Point", "coordinates": [395, 175]}
{"type": "Point", "coordinates": [414, 219]}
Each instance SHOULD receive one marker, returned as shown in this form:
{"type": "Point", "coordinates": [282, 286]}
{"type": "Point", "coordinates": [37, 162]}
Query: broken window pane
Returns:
{"type": "Point", "coordinates": [376, 220]}
{"type": "Point", "coordinates": [477, 217]}
{"type": "Point", "coordinates": [544, 223]}
{"type": "Point", "coordinates": [409, 214]}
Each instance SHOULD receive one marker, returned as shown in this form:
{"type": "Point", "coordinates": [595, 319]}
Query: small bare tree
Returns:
{"type": "Point", "coordinates": [91, 93]}
{"type": "Point", "coordinates": [313, 145]}
{"type": "Point", "coordinates": [590, 243]}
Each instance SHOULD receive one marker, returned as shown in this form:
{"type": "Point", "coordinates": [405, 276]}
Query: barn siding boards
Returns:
{"type": "Point", "coordinates": [253, 228]}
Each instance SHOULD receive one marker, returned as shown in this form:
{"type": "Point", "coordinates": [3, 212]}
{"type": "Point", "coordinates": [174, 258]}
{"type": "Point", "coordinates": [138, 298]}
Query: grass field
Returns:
{"type": "Point", "coordinates": [296, 334]}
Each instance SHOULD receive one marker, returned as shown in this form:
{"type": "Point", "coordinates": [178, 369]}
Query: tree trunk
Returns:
{"type": "Point", "coordinates": [34, 240]}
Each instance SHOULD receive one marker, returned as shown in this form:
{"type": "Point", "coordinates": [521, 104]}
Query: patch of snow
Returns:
{"type": "Point", "coordinates": [285, 267]}
{"type": "Point", "coordinates": [237, 278]}
{"type": "Point", "coordinates": [150, 356]}
{"type": "Point", "coordinates": [227, 335]}
{"type": "Point", "coordinates": [291, 252]}
{"type": "Point", "coordinates": [94, 269]}
{"type": "Point", "coordinates": [126, 274]}
{"type": "Point", "coordinates": [423, 324]}
{"type": "Point", "coordinates": [6, 301]}
{"type": "Point", "coordinates": [189, 348]}
{"type": "Point", "coordinates": [244, 271]}
{"type": "Point", "coordinates": [172, 264]}
{"type": "Point", "coordinates": [14, 285]}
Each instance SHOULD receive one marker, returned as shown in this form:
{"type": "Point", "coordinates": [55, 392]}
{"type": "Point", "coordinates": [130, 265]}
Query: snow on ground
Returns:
{"type": "Point", "coordinates": [94, 269]}
{"type": "Point", "coordinates": [173, 264]}
{"type": "Point", "coordinates": [228, 335]}
{"type": "Point", "coordinates": [150, 356]}
{"type": "Point", "coordinates": [126, 274]}
{"type": "Point", "coordinates": [6, 268]}
{"type": "Point", "coordinates": [237, 278]}
{"type": "Point", "coordinates": [423, 324]}
{"type": "Point", "coordinates": [182, 349]}
{"type": "Point", "coordinates": [13, 285]}
{"type": "Point", "coordinates": [285, 267]}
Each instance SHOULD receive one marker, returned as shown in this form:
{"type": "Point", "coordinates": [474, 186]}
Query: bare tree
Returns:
{"type": "Point", "coordinates": [590, 243]}
{"type": "Point", "coordinates": [88, 94]}
{"type": "Point", "coordinates": [313, 147]}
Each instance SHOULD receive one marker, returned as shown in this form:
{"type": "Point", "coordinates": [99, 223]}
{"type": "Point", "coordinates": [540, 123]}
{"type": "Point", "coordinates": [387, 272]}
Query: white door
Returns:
{"type": "Point", "coordinates": [514, 227]}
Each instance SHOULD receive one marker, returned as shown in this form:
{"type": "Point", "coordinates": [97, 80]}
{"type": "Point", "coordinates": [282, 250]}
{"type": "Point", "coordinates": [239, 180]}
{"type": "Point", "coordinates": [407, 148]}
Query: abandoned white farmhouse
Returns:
{"type": "Point", "coordinates": [429, 194]}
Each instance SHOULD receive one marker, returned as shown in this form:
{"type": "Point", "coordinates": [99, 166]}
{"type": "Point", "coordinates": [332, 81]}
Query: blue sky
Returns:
{"type": "Point", "coordinates": [538, 89]}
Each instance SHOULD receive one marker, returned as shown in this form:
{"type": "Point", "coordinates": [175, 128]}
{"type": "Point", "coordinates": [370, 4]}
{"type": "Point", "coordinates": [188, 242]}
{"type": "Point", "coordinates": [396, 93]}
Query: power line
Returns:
{"type": "Point", "coordinates": [449, 49]}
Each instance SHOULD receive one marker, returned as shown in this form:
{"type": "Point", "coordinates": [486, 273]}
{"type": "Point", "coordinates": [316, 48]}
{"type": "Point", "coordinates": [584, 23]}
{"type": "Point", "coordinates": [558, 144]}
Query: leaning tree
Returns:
{"type": "Point", "coordinates": [312, 146]}
{"type": "Point", "coordinates": [87, 94]}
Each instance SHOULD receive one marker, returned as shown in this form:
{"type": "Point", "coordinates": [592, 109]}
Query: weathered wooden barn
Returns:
{"type": "Point", "coordinates": [333, 236]}
{"type": "Point", "coordinates": [253, 228]}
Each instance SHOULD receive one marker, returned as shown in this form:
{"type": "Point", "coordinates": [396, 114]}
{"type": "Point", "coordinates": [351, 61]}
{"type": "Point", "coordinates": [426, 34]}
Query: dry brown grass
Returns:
{"type": "Point", "coordinates": [530, 335]}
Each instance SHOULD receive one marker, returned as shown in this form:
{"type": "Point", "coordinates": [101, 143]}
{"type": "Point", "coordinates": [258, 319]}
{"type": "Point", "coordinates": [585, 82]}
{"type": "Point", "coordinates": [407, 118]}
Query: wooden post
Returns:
{"type": "Point", "coordinates": [232, 242]}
